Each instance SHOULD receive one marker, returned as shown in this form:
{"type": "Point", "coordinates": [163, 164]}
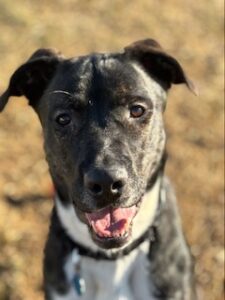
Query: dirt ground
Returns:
{"type": "Point", "coordinates": [193, 32]}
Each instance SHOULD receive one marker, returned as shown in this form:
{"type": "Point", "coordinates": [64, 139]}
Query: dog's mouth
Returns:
{"type": "Point", "coordinates": [111, 227]}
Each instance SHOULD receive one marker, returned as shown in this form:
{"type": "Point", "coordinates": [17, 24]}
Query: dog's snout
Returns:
{"type": "Point", "coordinates": [101, 182]}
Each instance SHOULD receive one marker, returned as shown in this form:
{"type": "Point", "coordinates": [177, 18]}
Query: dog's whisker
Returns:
{"type": "Point", "coordinates": [62, 92]}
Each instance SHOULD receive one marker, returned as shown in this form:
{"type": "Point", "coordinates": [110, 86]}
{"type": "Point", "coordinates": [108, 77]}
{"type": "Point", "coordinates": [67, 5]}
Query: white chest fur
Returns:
{"type": "Point", "coordinates": [124, 279]}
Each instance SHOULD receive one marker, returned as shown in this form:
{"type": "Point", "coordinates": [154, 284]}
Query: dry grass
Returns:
{"type": "Point", "coordinates": [193, 32]}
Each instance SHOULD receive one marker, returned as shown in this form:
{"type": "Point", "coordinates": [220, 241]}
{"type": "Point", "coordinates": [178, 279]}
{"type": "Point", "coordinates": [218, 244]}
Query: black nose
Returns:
{"type": "Point", "coordinates": [105, 183]}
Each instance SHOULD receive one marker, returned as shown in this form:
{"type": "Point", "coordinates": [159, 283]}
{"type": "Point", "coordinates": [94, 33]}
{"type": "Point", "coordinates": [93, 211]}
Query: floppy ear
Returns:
{"type": "Point", "coordinates": [32, 78]}
{"type": "Point", "coordinates": [158, 63]}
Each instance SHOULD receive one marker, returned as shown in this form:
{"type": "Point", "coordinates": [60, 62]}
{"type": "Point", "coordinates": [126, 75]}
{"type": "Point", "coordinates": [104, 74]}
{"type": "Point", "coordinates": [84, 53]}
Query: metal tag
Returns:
{"type": "Point", "coordinates": [78, 281]}
{"type": "Point", "coordinates": [79, 284]}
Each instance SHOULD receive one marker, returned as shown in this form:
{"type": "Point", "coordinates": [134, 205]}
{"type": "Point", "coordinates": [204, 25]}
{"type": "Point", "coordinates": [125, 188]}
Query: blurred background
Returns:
{"type": "Point", "coordinates": [190, 30]}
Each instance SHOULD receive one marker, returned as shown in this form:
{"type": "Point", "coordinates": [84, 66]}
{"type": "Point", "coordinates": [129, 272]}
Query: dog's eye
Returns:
{"type": "Point", "coordinates": [136, 111]}
{"type": "Point", "coordinates": [63, 119]}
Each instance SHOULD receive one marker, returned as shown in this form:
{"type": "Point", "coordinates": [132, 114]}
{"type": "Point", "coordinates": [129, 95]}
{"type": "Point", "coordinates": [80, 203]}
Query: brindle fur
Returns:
{"type": "Point", "coordinates": [97, 92]}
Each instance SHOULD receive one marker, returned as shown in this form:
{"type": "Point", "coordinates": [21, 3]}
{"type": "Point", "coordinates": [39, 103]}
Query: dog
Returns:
{"type": "Point", "coordinates": [115, 230]}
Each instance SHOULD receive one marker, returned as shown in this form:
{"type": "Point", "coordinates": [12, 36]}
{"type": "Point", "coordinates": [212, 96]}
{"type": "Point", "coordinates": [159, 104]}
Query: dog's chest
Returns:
{"type": "Point", "coordinates": [124, 279]}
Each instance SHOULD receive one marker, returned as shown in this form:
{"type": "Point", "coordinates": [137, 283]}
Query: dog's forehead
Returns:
{"type": "Point", "coordinates": [106, 76]}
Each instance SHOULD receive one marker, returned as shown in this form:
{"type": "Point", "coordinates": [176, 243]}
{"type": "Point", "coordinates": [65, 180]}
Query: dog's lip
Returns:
{"type": "Point", "coordinates": [111, 242]}
{"type": "Point", "coordinates": [136, 203]}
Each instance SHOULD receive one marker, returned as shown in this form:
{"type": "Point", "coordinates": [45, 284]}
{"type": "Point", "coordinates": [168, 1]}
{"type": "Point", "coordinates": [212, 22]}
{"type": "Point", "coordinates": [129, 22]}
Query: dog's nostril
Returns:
{"type": "Point", "coordinates": [95, 188]}
{"type": "Point", "coordinates": [117, 186]}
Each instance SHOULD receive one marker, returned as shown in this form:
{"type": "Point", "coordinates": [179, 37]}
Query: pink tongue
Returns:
{"type": "Point", "coordinates": [111, 222]}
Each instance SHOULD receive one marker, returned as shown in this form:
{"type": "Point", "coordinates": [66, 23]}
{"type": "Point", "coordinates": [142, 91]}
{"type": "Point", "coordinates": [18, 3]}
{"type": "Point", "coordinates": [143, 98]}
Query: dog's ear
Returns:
{"type": "Point", "coordinates": [31, 79]}
{"type": "Point", "coordinates": [158, 63]}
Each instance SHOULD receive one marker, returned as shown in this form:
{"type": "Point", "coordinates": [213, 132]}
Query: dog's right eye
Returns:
{"type": "Point", "coordinates": [63, 119]}
{"type": "Point", "coordinates": [136, 111]}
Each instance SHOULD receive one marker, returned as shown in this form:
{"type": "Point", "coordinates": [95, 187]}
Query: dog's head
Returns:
{"type": "Point", "coordinates": [103, 130]}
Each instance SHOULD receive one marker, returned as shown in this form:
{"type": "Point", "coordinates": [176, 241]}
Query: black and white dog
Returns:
{"type": "Point", "coordinates": [115, 232]}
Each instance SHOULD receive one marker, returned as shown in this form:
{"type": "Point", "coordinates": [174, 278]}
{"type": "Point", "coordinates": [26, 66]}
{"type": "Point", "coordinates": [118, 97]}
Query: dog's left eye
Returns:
{"type": "Point", "coordinates": [136, 111]}
{"type": "Point", "coordinates": [63, 119]}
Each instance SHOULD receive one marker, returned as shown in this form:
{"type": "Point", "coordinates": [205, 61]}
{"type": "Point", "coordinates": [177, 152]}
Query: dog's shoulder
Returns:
{"type": "Point", "coordinates": [56, 250]}
{"type": "Point", "coordinates": [169, 253]}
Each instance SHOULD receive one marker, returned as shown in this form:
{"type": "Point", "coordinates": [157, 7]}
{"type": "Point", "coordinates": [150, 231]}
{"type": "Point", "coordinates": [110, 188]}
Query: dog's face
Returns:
{"type": "Point", "coordinates": [103, 130]}
{"type": "Point", "coordinates": [104, 138]}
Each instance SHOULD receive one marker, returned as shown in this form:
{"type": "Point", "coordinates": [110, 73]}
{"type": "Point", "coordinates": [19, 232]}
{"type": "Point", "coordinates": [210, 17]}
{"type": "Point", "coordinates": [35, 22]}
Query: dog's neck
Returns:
{"type": "Point", "coordinates": [79, 232]}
